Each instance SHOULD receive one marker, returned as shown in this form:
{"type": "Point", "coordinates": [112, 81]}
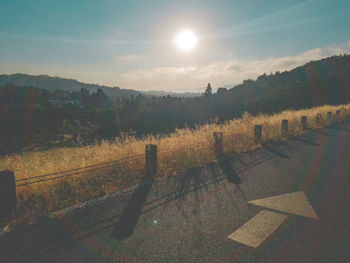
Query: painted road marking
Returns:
{"type": "Point", "coordinates": [258, 228]}
{"type": "Point", "coordinates": [292, 203]}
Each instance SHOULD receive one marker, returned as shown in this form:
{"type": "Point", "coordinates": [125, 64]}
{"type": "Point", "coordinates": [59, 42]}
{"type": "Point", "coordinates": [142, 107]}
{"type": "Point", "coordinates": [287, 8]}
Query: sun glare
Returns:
{"type": "Point", "coordinates": [186, 40]}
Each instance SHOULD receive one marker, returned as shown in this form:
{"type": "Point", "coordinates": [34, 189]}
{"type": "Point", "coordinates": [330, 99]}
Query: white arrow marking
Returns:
{"type": "Point", "coordinates": [293, 203]}
{"type": "Point", "coordinates": [258, 228]}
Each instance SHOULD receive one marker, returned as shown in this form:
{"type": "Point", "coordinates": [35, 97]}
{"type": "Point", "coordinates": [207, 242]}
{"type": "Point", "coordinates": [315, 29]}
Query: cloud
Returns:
{"type": "Point", "coordinates": [160, 72]}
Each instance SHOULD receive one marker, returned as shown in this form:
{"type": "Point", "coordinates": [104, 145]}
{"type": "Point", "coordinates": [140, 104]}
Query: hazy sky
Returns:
{"type": "Point", "coordinates": [131, 43]}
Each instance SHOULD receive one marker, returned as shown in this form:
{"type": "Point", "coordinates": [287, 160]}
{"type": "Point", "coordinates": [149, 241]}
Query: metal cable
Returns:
{"type": "Point", "coordinates": [131, 158]}
{"type": "Point", "coordinates": [62, 176]}
{"type": "Point", "coordinates": [57, 177]}
{"type": "Point", "coordinates": [105, 164]}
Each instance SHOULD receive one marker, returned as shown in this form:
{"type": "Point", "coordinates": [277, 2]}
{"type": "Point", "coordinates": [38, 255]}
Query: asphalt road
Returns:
{"type": "Point", "coordinates": [188, 218]}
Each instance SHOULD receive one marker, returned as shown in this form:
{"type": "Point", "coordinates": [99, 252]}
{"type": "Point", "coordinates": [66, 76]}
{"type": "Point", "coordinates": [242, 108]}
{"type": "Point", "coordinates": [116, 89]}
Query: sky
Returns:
{"type": "Point", "coordinates": [130, 44]}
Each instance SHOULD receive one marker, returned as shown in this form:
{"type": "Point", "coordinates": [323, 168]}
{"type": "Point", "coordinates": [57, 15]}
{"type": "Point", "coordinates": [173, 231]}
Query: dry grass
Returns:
{"type": "Point", "coordinates": [48, 196]}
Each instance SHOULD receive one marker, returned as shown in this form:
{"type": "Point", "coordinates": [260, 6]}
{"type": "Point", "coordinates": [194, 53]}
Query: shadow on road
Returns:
{"type": "Point", "coordinates": [338, 128]}
{"type": "Point", "coordinates": [274, 151]}
{"type": "Point", "coordinates": [226, 166]}
{"type": "Point", "coordinates": [305, 141]}
{"type": "Point", "coordinates": [322, 132]}
{"type": "Point", "coordinates": [131, 214]}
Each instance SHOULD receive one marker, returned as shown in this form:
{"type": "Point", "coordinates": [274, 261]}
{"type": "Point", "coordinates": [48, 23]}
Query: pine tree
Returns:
{"type": "Point", "coordinates": [208, 90]}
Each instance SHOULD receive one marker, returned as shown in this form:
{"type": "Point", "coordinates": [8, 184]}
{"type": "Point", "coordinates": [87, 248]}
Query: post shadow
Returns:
{"type": "Point", "coordinates": [338, 128]}
{"type": "Point", "coordinates": [228, 170]}
{"type": "Point", "coordinates": [131, 213]}
{"type": "Point", "coordinates": [274, 151]}
{"type": "Point", "coordinates": [323, 133]}
{"type": "Point", "coordinates": [305, 141]}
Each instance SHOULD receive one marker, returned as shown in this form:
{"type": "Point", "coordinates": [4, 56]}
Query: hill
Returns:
{"type": "Point", "coordinates": [160, 93]}
{"type": "Point", "coordinates": [325, 81]}
{"type": "Point", "coordinates": [52, 83]}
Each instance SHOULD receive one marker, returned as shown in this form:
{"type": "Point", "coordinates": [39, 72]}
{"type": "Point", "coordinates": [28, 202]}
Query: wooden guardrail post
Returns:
{"type": "Point", "coordinates": [318, 117]}
{"type": "Point", "coordinates": [304, 122]}
{"type": "Point", "coordinates": [218, 143]}
{"type": "Point", "coordinates": [284, 126]}
{"type": "Point", "coordinates": [337, 115]}
{"type": "Point", "coordinates": [151, 160]}
{"type": "Point", "coordinates": [329, 115]}
{"type": "Point", "coordinates": [7, 193]}
{"type": "Point", "coordinates": [257, 133]}
{"type": "Point", "coordinates": [346, 113]}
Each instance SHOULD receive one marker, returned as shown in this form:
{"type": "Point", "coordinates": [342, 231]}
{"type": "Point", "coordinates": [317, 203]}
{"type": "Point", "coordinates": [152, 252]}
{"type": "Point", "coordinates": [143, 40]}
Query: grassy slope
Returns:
{"type": "Point", "coordinates": [45, 197]}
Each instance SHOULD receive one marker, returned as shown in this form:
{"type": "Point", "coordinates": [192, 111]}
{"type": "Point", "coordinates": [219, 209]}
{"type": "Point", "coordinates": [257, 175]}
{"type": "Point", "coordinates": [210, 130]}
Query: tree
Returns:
{"type": "Point", "coordinates": [221, 91]}
{"type": "Point", "coordinates": [208, 91]}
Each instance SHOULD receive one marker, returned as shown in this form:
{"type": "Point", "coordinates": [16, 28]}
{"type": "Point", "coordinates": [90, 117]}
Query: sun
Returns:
{"type": "Point", "coordinates": [186, 40]}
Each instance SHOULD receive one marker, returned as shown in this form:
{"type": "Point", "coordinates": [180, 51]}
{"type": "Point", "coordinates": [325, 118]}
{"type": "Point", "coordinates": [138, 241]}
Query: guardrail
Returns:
{"type": "Point", "coordinates": [8, 183]}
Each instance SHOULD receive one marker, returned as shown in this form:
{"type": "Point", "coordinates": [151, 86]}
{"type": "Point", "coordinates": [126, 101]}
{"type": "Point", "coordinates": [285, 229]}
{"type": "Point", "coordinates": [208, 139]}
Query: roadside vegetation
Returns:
{"type": "Point", "coordinates": [178, 151]}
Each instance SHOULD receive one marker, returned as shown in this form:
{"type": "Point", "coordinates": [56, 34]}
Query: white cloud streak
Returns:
{"type": "Point", "coordinates": [160, 72]}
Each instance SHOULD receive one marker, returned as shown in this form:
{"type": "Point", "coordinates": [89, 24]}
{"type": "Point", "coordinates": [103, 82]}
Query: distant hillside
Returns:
{"type": "Point", "coordinates": [160, 93]}
{"type": "Point", "coordinates": [325, 81]}
{"type": "Point", "coordinates": [53, 83]}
